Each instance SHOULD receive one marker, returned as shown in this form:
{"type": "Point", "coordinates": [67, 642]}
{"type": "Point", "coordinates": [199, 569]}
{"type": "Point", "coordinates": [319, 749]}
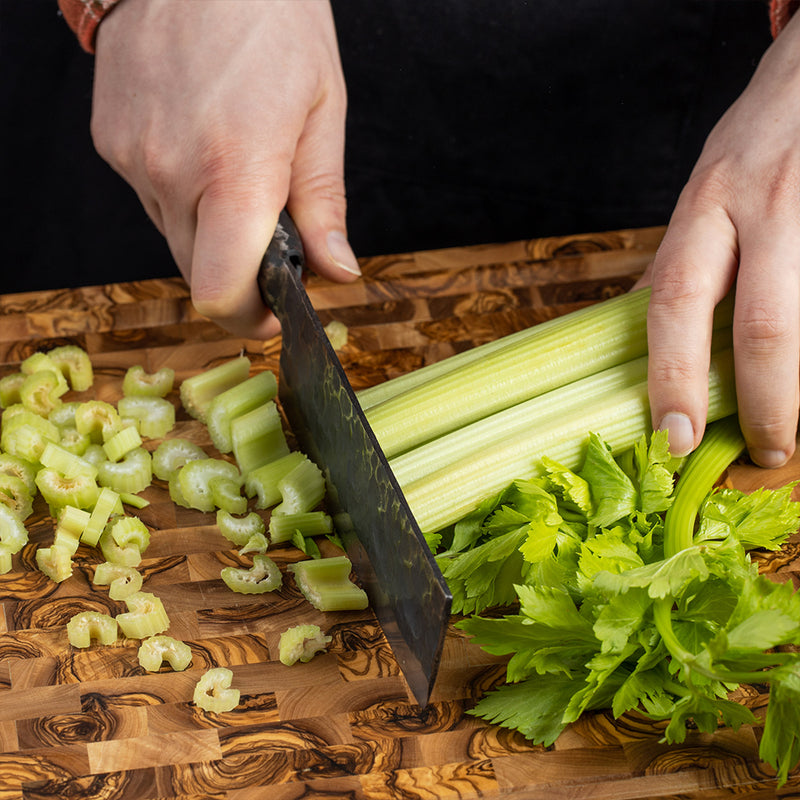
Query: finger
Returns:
{"type": "Point", "coordinates": [766, 336]}
{"type": "Point", "coordinates": [692, 272]}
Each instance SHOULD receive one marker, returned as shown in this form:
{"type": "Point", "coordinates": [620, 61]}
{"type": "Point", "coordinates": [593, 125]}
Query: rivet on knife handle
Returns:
{"type": "Point", "coordinates": [392, 560]}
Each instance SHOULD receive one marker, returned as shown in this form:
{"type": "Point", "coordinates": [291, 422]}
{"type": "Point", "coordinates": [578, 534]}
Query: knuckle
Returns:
{"type": "Point", "coordinates": [762, 328]}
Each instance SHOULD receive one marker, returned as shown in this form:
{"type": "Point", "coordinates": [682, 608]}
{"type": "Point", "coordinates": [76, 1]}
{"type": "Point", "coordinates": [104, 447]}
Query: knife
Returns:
{"type": "Point", "coordinates": [390, 557]}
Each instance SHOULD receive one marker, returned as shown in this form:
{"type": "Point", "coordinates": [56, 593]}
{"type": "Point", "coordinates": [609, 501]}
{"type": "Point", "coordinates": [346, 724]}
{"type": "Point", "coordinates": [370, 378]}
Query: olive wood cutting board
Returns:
{"type": "Point", "coordinates": [92, 724]}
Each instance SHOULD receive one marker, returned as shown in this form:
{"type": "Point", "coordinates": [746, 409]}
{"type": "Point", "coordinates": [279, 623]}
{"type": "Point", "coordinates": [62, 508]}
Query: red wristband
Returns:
{"type": "Point", "coordinates": [83, 16]}
{"type": "Point", "coordinates": [780, 12]}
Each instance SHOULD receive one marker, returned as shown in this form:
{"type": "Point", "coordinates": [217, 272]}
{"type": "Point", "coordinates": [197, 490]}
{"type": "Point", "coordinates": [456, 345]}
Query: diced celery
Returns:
{"type": "Point", "coordinates": [234, 402]}
{"type": "Point", "coordinates": [9, 389]}
{"type": "Point", "coordinates": [239, 530]}
{"type": "Point", "coordinates": [194, 477]}
{"type": "Point", "coordinates": [94, 454]}
{"type": "Point", "coordinates": [133, 474]}
{"type": "Point", "coordinates": [257, 437]}
{"type": "Point", "coordinates": [227, 494]}
{"type": "Point", "coordinates": [75, 365]}
{"type": "Point", "coordinates": [121, 443]}
{"type": "Point", "coordinates": [155, 416]}
{"type": "Point", "coordinates": [122, 581]}
{"type": "Point", "coordinates": [145, 616]}
{"type": "Point", "coordinates": [263, 481]}
{"type": "Point", "coordinates": [172, 454]}
{"type": "Point", "coordinates": [64, 415]}
{"type": "Point", "coordinates": [213, 693]}
{"type": "Point", "coordinates": [14, 494]}
{"type": "Point", "coordinates": [326, 584]}
{"type": "Point", "coordinates": [27, 438]}
{"type": "Point", "coordinates": [128, 556]}
{"type": "Point", "coordinates": [43, 362]}
{"type": "Point", "coordinates": [107, 500]}
{"type": "Point", "coordinates": [155, 650]}
{"type": "Point", "coordinates": [66, 539]}
{"type": "Point", "coordinates": [58, 490]}
{"type": "Point", "coordinates": [19, 468]}
{"type": "Point", "coordinates": [301, 489]}
{"type": "Point", "coordinates": [41, 392]}
{"type": "Point", "coordinates": [138, 383]}
{"type": "Point", "coordinates": [133, 500]}
{"type": "Point", "coordinates": [13, 534]}
{"type": "Point", "coordinates": [336, 332]}
{"type": "Point", "coordinates": [74, 442]}
{"type": "Point", "coordinates": [73, 520]}
{"type": "Point", "coordinates": [282, 527]}
{"type": "Point", "coordinates": [199, 390]}
{"type": "Point", "coordinates": [257, 543]}
{"type": "Point", "coordinates": [97, 419]}
{"type": "Point", "coordinates": [55, 457]}
{"type": "Point", "coordinates": [301, 643]}
{"type": "Point", "coordinates": [264, 576]}
{"type": "Point", "coordinates": [55, 562]}
{"type": "Point", "coordinates": [127, 531]}
{"type": "Point", "coordinates": [87, 625]}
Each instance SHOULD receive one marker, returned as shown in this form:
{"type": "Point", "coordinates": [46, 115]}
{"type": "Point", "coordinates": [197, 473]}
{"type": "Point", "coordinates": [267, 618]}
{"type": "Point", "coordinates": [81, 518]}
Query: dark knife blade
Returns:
{"type": "Point", "coordinates": [390, 556]}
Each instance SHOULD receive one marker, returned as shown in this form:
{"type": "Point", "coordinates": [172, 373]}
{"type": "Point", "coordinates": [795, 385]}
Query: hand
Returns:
{"type": "Point", "coordinates": [737, 220]}
{"type": "Point", "coordinates": [219, 113]}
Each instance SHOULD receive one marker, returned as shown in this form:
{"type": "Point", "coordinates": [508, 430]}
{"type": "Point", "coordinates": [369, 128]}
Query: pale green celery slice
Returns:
{"type": "Point", "coordinates": [73, 520]}
{"type": "Point", "coordinates": [172, 454]}
{"type": "Point", "coordinates": [227, 494]}
{"type": "Point", "coordinates": [213, 692]}
{"type": "Point", "coordinates": [257, 543]}
{"type": "Point", "coordinates": [264, 576]}
{"type": "Point", "coordinates": [13, 534]}
{"type": "Point", "coordinates": [282, 527]}
{"type": "Point", "coordinates": [257, 437]}
{"type": "Point", "coordinates": [155, 416]}
{"type": "Point", "coordinates": [193, 479]}
{"type": "Point", "coordinates": [16, 414]}
{"type": "Point", "coordinates": [133, 474]}
{"type": "Point", "coordinates": [85, 626]}
{"type": "Point", "coordinates": [128, 556]}
{"type": "Point", "coordinates": [104, 507]}
{"type": "Point", "coordinates": [155, 650]}
{"type": "Point", "coordinates": [19, 468]}
{"type": "Point", "coordinates": [133, 500]}
{"type": "Point", "coordinates": [337, 333]}
{"type": "Point", "coordinates": [97, 419]}
{"type": "Point", "coordinates": [122, 581]}
{"type": "Point", "coordinates": [67, 464]}
{"type": "Point", "coordinates": [446, 495]}
{"type": "Point", "coordinates": [58, 490]}
{"type": "Point", "coordinates": [234, 402]}
{"type": "Point", "coordinates": [94, 454]}
{"type": "Point", "coordinates": [74, 442]}
{"type": "Point", "coordinates": [14, 495]}
{"type": "Point", "coordinates": [44, 362]}
{"type": "Point", "coordinates": [27, 439]}
{"type": "Point", "coordinates": [66, 539]}
{"type": "Point", "coordinates": [41, 392]}
{"type": "Point", "coordinates": [75, 365]}
{"type": "Point", "coordinates": [64, 415]}
{"type": "Point", "coordinates": [301, 643]}
{"type": "Point", "coordinates": [145, 616]}
{"type": "Point", "coordinates": [301, 489]}
{"type": "Point", "coordinates": [121, 443]}
{"type": "Point", "coordinates": [127, 531]}
{"type": "Point", "coordinates": [55, 562]}
{"type": "Point", "coordinates": [9, 389]}
{"type": "Point", "coordinates": [326, 584]}
{"type": "Point", "coordinates": [263, 481]}
{"type": "Point", "coordinates": [199, 390]}
{"type": "Point", "coordinates": [239, 530]}
{"type": "Point", "coordinates": [6, 561]}
{"type": "Point", "coordinates": [138, 383]}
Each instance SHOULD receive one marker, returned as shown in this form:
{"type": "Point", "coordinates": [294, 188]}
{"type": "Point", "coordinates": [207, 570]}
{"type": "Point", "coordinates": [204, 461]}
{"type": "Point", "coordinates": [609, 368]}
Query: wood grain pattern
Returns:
{"type": "Point", "coordinates": [93, 724]}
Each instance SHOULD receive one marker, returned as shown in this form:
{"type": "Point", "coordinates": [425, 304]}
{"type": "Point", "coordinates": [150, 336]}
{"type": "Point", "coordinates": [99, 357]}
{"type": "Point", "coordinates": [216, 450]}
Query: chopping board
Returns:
{"type": "Point", "coordinates": [92, 724]}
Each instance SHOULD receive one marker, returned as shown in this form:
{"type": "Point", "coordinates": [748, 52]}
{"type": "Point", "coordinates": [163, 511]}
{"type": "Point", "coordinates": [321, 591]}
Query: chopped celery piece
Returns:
{"type": "Point", "coordinates": [58, 490]}
{"type": "Point", "coordinates": [195, 476]}
{"type": "Point", "coordinates": [132, 474]}
{"type": "Point", "coordinates": [6, 561]}
{"type": "Point", "coordinates": [257, 543]}
{"type": "Point", "coordinates": [155, 416]}
{"type": "Point", "coordinates": [43, 362]}
{"type": "Point", "coordinates": [234, 402]}
{"type": "Point", "coordinates": [55, 562]}
{"type": "Point", "coordinates": [282, 527]}
{"type": "Point", "coordinates": [155, 650]}
{"type": "Point", "coordinates": [122, 581]}
{"type": "Point", "coordinates": [41, 392]}
{"type": "Point", "coordinates": [257, 437]}
{"type": "Point", "coordinates": [65, 463]}
{"type": "Point", "coordinates": [104, 507]}
{"type": "Point", "coordinates": [64, 415]}
{"type": "Point", "coordinates": [27, 437]}
{"type": "Point", "coordinates": [97, 419]}
{"type": "Point", "coordinates": [87, 625]}
{"type": "Point", "coordinates": [138, 383]}
{"type": "Point", "coordinates": [326, 584]}
{"type": "Point", "coordinates": [337, 333]}
{"type": "Point", "coordinates": [133, 500]}
{"type": "Point", "coordinates": [213, 693]}
{"type": "Point", "coordinates": [301, 489]}
{"type": "Point", "coordinates": [74, 442]}
{"type": "Point", "coordinates": [14, 495]}
{"type": "Point", "coordinates": [121, 443]}
{"type": "Point", "coordinates": [263, 576]}
{"type": "Point", "coordinates": [263, 481]}
{"type": "Point", "coordinates": [9, 389]}
{"type": "Point", "coordinates": [66, 539]}
{"type": "Point", "coordinates": [19, 468]}
{"type": "Point", "coordinates": [73, 520]}
{"type": "Point", "coordinates": [94, 454]}
{"type": "Point", "coordinates": [127, 531]}
{"type": "Point", "coordinates": [239, 530]}
{"type": "Point", "coordinates": [199, 390]}
{"type": "Point", "coordinates": [172, 454]}
{"type": "Point", "coordinates": [129, 555]}
{"type": "Point", "coordinates": [227, 494]}
{"type": "Point", "coordinates": [145, 616]}
{"type": "Point", "coordinates": [301, 643]}
{"type": "Point", "coordinates": [75, 364]}
{"type": "Point", "coordinates": [13, 534]}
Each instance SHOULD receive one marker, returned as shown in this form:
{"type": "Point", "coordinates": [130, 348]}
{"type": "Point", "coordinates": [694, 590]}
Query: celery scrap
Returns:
{"type": "Point", "coordinates": [122, 581]}
{"type": "Point", "coordinates": [139, 383]}
{"type": "Point", "coordinates": [301, 643]}
{"type": "Point", "coordinates": [154, 416]}
{"type": "Point", "coordinates": [199, 390]}
{"type": "Point", "coordinates": [74, 363]}
{"type": "Point", "coordinates": [264, 576]}
{"type": "Point", "coordinates": [239, 530]}
{"type": "Point", "coordinates": [145, 616]}
{"type": "Point", "coordinates": [263, 481]}
{"type": "Point", "coordinates": [194, 481]}
{"type": "Point", "coordinates": [155, 650]}
{"type": "Point", "coordinates": [326, 584]}
{"type": "Point", "coordinates": [132, 474]}
{"type": "Point", "coordinates": [301, 489]}
{"type": "Point", "coordinates": [86, 626]}
{"type": "Point", "coordinates": [172, 454]}
{"type": "Point", "coordinates": [282, 527]}
{"type": "Point", "coordinates": [213, 691]}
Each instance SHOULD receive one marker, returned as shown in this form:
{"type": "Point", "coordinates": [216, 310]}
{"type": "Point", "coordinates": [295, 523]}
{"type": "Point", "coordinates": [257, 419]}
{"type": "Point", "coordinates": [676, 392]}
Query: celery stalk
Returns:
{"type": "Point", "coordinates": [199, 390]}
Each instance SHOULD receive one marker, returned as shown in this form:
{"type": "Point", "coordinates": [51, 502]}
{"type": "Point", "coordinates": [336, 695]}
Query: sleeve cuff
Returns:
{"type": "Point", "coordinates": [780, 12]}
{"type": "Point", "coordinates": [83, 17]}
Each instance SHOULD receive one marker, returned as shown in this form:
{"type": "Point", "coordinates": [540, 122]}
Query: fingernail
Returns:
{"type": "Point", "coordinates": [680, 433]}
{"type": "Point", "coordinates": [341, 252]}
{"type": "Point", "coordinates": [768, 458]}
